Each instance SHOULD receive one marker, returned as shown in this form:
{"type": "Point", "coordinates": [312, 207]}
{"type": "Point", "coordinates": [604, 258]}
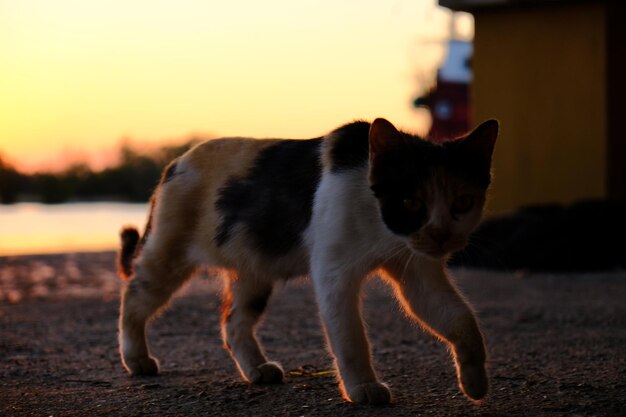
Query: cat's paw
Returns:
{"type": "Point", "coordinates": [142, 366]}
{"type": "Point", "coordinates": [266, 373]}
{"type": "Point", "coordinates": [370, 393]}
{"type": "Point", "coordinates": [473, 381]}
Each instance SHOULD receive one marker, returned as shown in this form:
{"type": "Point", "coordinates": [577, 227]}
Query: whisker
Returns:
{"type": "Point", "coordinates": [395, 251]}
{"type": "Point", "coordinates": [406, 265]}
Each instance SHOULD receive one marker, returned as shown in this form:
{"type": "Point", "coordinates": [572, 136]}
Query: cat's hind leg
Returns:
{"type": "Point", "coordinates": [245, 298]}
{"type": "Point", "coordinates": [157, 277]}
{"type": "Point", "coordinates": [427, 295]}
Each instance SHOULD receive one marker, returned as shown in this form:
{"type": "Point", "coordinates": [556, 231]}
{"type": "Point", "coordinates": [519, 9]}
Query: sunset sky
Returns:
{"type": "Point", "coordinates": [77, 77]}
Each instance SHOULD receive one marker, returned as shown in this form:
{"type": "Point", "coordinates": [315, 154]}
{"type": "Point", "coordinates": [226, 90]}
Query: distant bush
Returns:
{"type": "Point", "coordinates": [10, 183]}
{"type": "Point", "coordinates": [133, 179]}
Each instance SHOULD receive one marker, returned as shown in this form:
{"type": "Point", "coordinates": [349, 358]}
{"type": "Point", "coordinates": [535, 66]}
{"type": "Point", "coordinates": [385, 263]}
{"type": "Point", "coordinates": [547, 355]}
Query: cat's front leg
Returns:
{"type": "Point", "coordinates": [339, 302]}
{"type": "Point", "coordinates": [427, 295]}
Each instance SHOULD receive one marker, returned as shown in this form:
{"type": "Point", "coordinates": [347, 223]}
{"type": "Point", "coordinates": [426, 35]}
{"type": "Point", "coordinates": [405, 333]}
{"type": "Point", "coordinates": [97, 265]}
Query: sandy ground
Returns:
{"type": "Point", "coordinates": [557, 347]}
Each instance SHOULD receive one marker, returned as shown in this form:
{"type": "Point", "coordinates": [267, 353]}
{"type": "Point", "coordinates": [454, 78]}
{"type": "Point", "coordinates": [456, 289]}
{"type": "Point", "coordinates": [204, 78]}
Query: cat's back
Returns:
{"type": "Point", "coordinates": [217, 159]}
{"type": "Point", "coordinates": [344, 148]}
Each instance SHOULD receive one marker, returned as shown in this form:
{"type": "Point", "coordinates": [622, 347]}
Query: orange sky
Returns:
{"type": "Point", "coordinates": [78, 76]}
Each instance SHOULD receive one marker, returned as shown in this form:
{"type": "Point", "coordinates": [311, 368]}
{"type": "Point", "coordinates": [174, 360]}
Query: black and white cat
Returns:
{"type": "Point", "coordinates": [365, 199]}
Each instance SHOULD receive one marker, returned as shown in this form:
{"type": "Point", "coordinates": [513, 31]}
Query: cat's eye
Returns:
{"type": "Point", "coordinates": [462, 204]}
{"type": "Point", "coordinates": [412, 204]}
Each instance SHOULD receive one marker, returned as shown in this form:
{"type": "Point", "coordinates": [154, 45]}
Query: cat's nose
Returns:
{"type": "Point", "coordinates": [440, 236]}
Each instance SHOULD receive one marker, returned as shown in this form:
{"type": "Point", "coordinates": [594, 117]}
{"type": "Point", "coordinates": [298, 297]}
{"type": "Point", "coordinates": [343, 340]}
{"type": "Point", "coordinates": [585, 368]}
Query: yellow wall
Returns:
{"type": "Point", "coordinates": [541, 72]}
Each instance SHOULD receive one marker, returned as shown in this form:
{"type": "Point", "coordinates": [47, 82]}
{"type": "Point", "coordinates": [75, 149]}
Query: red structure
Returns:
{"type": "Point", "coordinates": [448, 101]}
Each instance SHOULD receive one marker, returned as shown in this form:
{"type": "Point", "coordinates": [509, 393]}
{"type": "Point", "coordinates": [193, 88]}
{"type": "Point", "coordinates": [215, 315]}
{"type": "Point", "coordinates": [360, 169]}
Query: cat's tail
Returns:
{"type": "Point", "coordinates": [130, 240]}
{"type": "Point", "coordinates": [131, 245]}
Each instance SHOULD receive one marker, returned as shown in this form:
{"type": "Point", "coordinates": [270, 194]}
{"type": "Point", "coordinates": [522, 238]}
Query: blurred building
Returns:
{"type": "Point", "coordinates": [448, 100]}
{"type": "Point", "coordinates": [554, 73]}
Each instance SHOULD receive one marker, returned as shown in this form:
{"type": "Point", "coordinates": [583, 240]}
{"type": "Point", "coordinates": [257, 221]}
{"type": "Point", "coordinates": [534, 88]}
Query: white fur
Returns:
{"type": "Point", "coordinates": [347, 240]}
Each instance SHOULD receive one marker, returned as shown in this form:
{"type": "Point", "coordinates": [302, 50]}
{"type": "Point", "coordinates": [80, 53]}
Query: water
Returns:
{"type": "Point", "coordinates": [31, 228]}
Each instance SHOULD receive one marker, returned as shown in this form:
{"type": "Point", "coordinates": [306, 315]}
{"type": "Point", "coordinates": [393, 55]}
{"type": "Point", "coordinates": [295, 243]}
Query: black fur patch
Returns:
{"type": "Point", "coordinates": [351, 147]}
{"type": "Point", "coordinates": [403, 174]}
{"type": "Point", "coordinates": [467, 163]}
{"type": "Point", "coordinates": [274, 201]}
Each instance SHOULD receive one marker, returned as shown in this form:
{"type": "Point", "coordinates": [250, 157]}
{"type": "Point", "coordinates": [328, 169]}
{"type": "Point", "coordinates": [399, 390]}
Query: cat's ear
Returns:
{"type": "Point", "coordinates": [482, 140]}
{"type": "Point", "coordinates": [383, 137]}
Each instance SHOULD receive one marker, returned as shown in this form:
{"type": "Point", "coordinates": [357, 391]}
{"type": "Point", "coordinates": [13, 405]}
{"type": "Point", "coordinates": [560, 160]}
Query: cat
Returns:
{"type": "Point", "coordinates": [365, 199]}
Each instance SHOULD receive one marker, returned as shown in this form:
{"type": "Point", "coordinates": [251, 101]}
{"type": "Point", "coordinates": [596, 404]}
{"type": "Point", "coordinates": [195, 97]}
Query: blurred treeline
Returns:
{"type": "Point", "coordinates": [133, 179]}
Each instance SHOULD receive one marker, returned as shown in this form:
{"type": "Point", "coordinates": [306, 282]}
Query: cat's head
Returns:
{"type": "Point", "coordinates": [430, 194]}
